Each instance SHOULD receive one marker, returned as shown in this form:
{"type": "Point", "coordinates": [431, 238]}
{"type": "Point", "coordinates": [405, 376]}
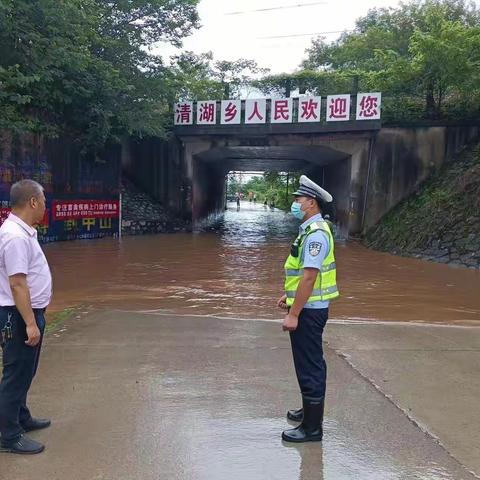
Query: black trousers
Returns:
{"type": "Point", "coordinates": [307, 349]}
{"type": "Point", "coordinates": [20, 363]}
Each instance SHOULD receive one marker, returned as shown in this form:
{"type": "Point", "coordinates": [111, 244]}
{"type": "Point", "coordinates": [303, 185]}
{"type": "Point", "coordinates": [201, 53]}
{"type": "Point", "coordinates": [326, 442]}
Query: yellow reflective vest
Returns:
{"type": "Point", "coordinates": [325, 287]}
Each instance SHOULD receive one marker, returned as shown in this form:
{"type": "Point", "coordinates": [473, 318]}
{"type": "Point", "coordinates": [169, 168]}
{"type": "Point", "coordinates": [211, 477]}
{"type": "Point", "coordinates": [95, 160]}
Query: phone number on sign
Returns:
{"type": "Point", "coordinates": [71, 210]}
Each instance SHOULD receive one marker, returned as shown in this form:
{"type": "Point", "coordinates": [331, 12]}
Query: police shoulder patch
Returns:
{"type": "Point", "coordinates": [314, 248]}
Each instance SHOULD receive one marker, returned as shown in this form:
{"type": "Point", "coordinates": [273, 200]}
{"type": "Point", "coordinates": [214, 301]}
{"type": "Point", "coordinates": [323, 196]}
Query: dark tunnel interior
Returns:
{"type": "Point", "coordinates": [328, 167]}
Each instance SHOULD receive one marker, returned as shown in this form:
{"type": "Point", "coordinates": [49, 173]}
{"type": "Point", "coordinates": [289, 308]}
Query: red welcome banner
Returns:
{"type": "Point", "coordinates": [76, 209]}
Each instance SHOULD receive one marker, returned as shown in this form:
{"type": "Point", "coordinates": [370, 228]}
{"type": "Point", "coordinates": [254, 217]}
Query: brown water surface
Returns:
{"type": "Point", "coordinates": [234, 268]}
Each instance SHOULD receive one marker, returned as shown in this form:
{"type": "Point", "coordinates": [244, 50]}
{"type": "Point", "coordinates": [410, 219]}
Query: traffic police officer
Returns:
{"type": "Point", "coordinates": [310, 285]}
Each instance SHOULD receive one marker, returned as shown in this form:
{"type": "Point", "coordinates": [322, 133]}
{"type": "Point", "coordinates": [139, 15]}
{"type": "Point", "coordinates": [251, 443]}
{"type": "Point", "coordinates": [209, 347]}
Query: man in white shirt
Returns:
{"type": "Point", "coordinates": [25, 292]}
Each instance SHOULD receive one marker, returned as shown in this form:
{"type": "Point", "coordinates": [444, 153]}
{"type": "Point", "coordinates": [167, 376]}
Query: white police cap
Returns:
{"type": "Point", "coordinates": [308, 188]}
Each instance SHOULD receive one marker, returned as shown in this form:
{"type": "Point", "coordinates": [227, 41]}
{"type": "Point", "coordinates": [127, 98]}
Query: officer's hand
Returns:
{"type": "Point", "coordinates": [33, 334]}
{"type": "Point", "coordinates": [282, 302]}
{"type": "Point", "coordinates": [290, 322]}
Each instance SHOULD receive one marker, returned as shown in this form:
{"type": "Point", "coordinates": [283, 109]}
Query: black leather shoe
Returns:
{"type": "Point", "coordinates": [35, 424]}
{"type": "Point", "coordinates": [310, 430]}
{"type": "Point", "coordinates": [295, 415]}
{"type": "Point", "coordinates": [22, 446]}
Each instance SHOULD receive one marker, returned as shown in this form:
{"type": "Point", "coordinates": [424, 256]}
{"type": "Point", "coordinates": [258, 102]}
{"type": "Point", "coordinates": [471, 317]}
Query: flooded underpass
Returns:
{"type": "Point", "coordinates": [160, 377]}
{"type": "Point", "coordinates": [234, 269]}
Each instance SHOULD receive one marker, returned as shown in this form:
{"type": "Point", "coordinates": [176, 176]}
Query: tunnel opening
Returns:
{"type": "Point", "coordinates": [328, 167]}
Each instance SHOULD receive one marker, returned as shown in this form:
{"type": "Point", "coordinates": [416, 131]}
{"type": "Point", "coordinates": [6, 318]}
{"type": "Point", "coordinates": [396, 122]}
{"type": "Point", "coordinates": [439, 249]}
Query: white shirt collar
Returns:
{"type": "Point", "coordinates": [316, 218]}
{"type": "Point", "coordinates": [30, 230]}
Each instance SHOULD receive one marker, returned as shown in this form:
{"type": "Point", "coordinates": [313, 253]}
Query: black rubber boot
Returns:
{"type": "Point", "coordinates": [295, 415]}
{"type": "Point", "coordinates": [310, 430]}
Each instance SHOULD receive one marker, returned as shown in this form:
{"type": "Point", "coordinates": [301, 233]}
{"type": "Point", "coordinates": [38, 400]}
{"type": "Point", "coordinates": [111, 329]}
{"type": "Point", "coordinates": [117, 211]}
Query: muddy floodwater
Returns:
{"type": "Point", "coordinates": [234, 268]}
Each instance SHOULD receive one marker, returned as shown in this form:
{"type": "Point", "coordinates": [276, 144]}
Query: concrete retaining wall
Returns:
{"type": "Point", "coordinates": [368, 173]}
{"type": "Point", "coordinates": [402, 158]}
{"type": "Point", "coordinates": [157, 167]}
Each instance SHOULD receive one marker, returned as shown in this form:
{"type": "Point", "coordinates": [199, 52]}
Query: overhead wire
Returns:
{"type": "Point", "coordinates": [302, 34]}
{"type": "Point", "coordinates": [279, 7]}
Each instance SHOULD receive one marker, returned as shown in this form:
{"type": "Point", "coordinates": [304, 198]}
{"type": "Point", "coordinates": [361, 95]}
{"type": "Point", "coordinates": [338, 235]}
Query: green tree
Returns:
{"type": "Point", "coordinates": [272, 186]}
{"type": "Point", "coordinates": [199, 77]}
{"type": "Point", "coordinates": [233, 185]}
{"type": "Point", "coordinates": [447, 59]}
{"type": "Point", "coordinates": [236, 75]}
{"type": "Point", "coordinates": [82, 67]}
{"type": "Point", "coordinates": [426, 50]}
{"type": "Point", "coordinates": [193, 77]}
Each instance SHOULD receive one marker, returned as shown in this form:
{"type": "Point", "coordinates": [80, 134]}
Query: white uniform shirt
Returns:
{"type": "Point", "coordinates": [20, 252]}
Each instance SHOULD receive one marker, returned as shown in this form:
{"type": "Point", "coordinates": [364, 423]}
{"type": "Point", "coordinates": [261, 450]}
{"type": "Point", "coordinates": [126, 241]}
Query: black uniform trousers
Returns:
{"type": "Point", "coordinates": [20, 363]}
{"type": "Point", "coordinates": [307, 349]}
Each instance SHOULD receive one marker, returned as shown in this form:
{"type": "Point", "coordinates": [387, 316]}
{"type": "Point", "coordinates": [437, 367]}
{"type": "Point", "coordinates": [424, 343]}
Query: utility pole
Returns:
{"type": "Point", "coordinates": [286, 195]}
{"type": "Point", "coordinates": [288, 87]}
{"type": "Point", "coordinates": [355, 81]}
{"type": "Point", "coordinates": [226, 192]}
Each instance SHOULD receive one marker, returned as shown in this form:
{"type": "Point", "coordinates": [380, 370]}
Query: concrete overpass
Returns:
{"type": "Point", "coordinates": [336, 156]}
{"type": "Point", "coordinates": [367, 168]}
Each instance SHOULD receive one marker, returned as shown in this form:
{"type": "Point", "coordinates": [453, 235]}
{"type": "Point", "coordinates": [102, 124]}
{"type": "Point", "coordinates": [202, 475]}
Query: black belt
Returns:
{"type": "Point", "coordinates": [11, 308]}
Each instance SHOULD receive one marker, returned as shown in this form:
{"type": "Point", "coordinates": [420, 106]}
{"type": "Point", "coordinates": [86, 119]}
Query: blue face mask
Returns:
{"type": "Point", "coordinates": [296, 210]}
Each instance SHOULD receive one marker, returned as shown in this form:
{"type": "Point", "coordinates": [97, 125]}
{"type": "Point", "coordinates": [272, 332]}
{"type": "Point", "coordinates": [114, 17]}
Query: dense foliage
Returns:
{"type": "Point", "coordinates": [82, 68]}
{"type": "Point", "coordinates": [85, 68]}
{"type": "Point", "coordinates": [271, 186]}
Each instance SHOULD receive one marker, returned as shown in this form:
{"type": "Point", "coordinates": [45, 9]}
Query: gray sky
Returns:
{"type": "Point", "coordinates": [231, 35]}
